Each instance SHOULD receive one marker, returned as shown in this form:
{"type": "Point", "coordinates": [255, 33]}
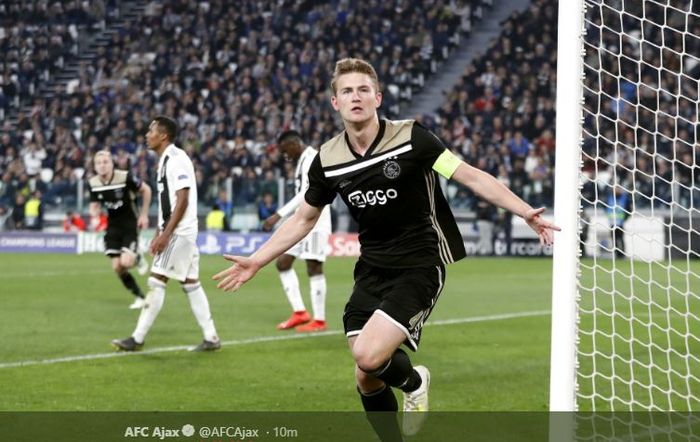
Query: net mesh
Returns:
{"type": "Point", "coordinates": [639, 286]}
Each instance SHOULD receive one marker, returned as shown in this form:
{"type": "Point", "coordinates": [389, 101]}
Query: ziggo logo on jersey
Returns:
{"type": "Point", "coordinates": [372, 197]}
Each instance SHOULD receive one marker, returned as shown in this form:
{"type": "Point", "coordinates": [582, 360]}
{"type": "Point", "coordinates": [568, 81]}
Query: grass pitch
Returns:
{"type": "Point", "coordinates": [486, 343]}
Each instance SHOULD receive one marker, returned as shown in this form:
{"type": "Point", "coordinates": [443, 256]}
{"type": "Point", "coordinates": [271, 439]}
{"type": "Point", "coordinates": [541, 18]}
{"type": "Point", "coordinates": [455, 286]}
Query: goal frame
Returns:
{"type": "Point", "coordinates": [569, 101]}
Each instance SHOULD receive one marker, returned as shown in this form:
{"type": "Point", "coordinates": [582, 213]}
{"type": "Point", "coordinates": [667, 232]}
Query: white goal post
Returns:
{"type": "Point", "coordinates": [626, 317]}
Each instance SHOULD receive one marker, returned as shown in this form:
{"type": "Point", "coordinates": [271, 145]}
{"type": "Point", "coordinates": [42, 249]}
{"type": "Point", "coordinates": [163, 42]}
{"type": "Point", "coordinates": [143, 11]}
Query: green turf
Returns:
{"type": "Point", "coordinates": [58, 306]}
{"type": "Point", "coordinates": [640, 336]}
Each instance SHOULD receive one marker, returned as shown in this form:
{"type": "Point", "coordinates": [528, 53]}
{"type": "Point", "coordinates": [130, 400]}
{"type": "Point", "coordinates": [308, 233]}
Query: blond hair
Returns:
{"type": "Point", "coordinates": [351, 65]}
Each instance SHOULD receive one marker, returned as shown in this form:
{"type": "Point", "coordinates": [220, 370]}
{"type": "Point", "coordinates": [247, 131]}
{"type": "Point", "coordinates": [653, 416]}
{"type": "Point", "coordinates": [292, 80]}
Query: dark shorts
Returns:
{"type": "Point", "coordinates": [119, 240]}
{"type": "Point", "coordinates": [404, 296]}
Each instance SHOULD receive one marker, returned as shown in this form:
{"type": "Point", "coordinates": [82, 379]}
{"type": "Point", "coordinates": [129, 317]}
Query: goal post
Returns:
{"type": "Point", "coordinates": [566, 206]}
{"type": "Point", "coordinates": [626, 318]}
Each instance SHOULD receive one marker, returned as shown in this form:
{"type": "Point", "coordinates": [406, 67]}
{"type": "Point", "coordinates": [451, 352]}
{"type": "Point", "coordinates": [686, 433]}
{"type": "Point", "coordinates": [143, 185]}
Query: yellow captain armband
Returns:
{"type": "Point", "coordinates": [446, 164]}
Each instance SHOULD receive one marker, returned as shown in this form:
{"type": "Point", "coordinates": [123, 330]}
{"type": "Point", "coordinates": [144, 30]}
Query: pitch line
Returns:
{"type": "Point", "coordinates": [257, 340]}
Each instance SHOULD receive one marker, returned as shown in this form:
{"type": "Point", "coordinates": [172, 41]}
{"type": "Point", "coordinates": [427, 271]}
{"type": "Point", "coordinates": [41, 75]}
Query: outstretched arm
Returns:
{"type": "Point", "coordinates": [288, 234]}
{"type": "Point", "coordinates": [145, 191]}
{"type": "Point", "coordinates": [495, 192]}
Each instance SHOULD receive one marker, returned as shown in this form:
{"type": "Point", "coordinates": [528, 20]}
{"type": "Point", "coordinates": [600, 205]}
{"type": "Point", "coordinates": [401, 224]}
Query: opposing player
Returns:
{"type": "Point", "coordinates": [175, 244]}
{"type": "Point", "coordinates": [117, 190]}
{"type": "Point", "coordinates": [387, 174]}
{"type": "Point", "coordinates": [312, 248]}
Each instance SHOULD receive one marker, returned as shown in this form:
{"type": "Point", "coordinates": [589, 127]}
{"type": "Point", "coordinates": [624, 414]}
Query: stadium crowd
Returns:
{"type": "Point", "coordinates": [233, 95]}
{"type": "Point", "coordinates": [641, 113]}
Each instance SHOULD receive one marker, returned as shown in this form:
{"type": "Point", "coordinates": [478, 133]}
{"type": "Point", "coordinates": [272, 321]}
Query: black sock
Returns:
{"type": "Point", "coordinates": [380, 400]}
{"type": "Point", "coordinates": [398, 372]}
{"type": "Point", "coordinates": [381, 411]}
{"type": "Point", "coordinates": [130, 283]}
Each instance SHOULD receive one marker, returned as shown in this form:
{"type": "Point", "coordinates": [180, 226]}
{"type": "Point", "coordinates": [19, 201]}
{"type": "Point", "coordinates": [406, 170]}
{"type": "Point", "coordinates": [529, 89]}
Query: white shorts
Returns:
{"type": "Point", "coordinates": [313, 246]}
{"type": "Point", "coordinates": [179, 260]}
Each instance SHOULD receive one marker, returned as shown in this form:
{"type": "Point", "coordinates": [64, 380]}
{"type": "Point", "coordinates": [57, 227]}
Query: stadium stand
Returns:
{"type": "Point", "coordinates": [234, 77]}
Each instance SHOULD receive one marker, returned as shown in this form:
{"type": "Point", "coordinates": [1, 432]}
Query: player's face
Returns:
{"type": "Point", "coordinates": [103, 165]}
{"type": "Point", "coordinates": [356, 97]}
{"type": "Point", "coordinates": [290, 150]}
{"type": "Point", "coordinates": [154, 137]}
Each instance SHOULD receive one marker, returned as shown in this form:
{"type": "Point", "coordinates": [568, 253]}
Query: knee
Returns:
{"type": "Point", "coordinates": [362, 377]}
{"type": "Point", "coordinates": [118, 267]}
{"type": "Point", "coordinates": [314, 268]}
{"type": "Point", "coordinates": [366, 361]}
{"type": "Point", "coordinates": [283, 264]}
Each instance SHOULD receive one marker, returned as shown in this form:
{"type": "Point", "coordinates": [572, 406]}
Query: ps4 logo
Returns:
{"type": "Point", "coordinates": [380, 197]}
{"type": "Point", "coordinates": [234, 243]}
{"type": "Point", "coordinates": [211, 245]}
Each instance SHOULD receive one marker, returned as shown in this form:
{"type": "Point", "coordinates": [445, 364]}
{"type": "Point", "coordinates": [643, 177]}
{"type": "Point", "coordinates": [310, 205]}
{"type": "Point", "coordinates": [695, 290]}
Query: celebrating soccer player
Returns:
{"type": "Point", "coordinates": [386, 172]}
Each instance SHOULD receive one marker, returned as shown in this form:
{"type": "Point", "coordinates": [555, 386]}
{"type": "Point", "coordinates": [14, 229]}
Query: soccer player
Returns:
{"type": "Point", "coordinates": [386, 172]}
{"type": "Point", "coordinates": [175, 245]}
{"type": "Point", "coordinates": [312, 248]}
{"type": "Point", "coordinates": [116, 190]}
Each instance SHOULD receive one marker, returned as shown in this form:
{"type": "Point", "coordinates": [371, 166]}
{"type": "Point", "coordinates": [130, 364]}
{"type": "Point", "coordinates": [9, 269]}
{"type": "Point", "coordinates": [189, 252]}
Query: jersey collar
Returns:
{"type": "Point", "coordinates": [377, 139]}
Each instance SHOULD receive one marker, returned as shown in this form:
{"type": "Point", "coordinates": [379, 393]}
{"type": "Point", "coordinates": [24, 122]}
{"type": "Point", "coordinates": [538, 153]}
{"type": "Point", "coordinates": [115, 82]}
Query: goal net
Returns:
{"type": "Point", "coordinates": [635, 313]}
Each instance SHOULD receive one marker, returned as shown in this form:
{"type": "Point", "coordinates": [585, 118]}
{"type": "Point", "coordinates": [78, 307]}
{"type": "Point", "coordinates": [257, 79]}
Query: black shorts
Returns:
{"type": "Point", "coordinates": [119, 239]}
{"type": "Point", "coordinates": [404, 296]}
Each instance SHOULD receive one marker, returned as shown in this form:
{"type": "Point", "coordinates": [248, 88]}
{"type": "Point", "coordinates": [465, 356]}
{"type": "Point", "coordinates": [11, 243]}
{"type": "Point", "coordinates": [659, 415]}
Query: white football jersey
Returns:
{"type": "Point", "coordinates": [175, 172]}
{"type": "Point", "coordinates": [301, 184]}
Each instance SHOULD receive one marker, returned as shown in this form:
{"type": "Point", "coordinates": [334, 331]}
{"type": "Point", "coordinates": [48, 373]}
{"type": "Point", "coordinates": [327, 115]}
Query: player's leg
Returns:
{"type": "Point", "coordinates": [378, 356]}
{"type": "Point", "coordinates": [188, 255]}
{"type": "Point", "coordinates": [377, 397]}
{"type": "Point", "coordinates": [317, 285]}
{"type": "Point", "coordinates": [406, 299]}
{"type": "Point", "coordinates": [164, 267]}
{"type": "Point", "coordinates": [378, 401]}
{"type": "Point", "coordinates": [314, 249]}
{"type": "Point", "coordinates": [115, 240]}
{"type": "Point", "coordinates": [290, 284]}
{"type": "Point", "coordinates": [202, 313]}
{"type": "Point", "coordinates": [153, 304]}
{"type": "Point", "coordinates": [127, 260]}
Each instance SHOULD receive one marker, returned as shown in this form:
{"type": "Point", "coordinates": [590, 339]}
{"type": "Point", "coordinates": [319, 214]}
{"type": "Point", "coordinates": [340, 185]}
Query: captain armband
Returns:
{"type": "Point", "coordinates": [446, 164]}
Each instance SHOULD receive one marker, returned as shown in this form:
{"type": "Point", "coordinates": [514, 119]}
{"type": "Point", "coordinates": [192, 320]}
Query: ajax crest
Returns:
{"type": "Point", "coordinates": [392, 169]}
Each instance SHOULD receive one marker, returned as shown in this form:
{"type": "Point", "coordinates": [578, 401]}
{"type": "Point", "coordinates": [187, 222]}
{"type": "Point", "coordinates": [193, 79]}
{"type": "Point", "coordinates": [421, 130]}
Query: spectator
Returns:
{"type": "Point", "coordinates": [485, 217]}
{"type": "Point", "coordinates": [73, 222]}
{"type": "Point", "coordinates": [618, 208]}
{"type": "Point", "coordinates": [34, 212]}
{"type": "Point", "coordinates": [267, 206]}
{"type": "Point", "coordinates": [98, 222]}
{"type": "Point", "coordinates": [18, 216]}
{"type": "Point", "coordinates": [216, 219]}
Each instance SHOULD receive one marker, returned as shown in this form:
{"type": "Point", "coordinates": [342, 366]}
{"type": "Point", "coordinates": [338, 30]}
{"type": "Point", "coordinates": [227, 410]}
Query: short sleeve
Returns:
{"type": "Point", "coordinates": [433, 151]}
{"type": "Point", "coordinates": [93, 195]}
{"type": "Point", "coordinates": [133, 182]}
{"type": "Point", "coordinates": [181, 176]}
{"type": "Point", "coordinates": [320, 193]}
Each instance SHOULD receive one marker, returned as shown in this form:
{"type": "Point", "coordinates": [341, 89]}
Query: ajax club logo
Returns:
{"type": "Point", "coordinates": [392, 169]}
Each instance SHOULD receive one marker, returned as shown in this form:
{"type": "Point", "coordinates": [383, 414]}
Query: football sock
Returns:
{"type": "Point", "coordinates": [318, 296]}
{"type": "Point", "coordinates": [379, 400]}
{"type": "Point", "coordinates": [381, 407]}
{"type": "Point", "coordinates": [154, 302]}
{"type": "Point", "coordinates": [130, 283]}
{"type": "Point", "coordinates": [398, 372]}
{"type": "Point", "coordinates": [200, 307]}
{"type": "Point", "coordinates": [290, 283]}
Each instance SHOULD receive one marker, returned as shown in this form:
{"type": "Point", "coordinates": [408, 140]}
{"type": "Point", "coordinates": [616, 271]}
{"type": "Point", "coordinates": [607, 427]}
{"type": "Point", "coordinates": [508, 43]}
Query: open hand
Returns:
{"type": "Point", "coordinates": [544, 229]}
{"type": "Point", "coordinates": [242, 270]}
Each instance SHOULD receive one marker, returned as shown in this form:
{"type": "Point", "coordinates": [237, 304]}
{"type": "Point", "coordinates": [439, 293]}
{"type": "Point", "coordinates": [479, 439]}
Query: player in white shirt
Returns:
{"type": "Point", "coordinates": [175, 244]}
{"type": "Point", "coordinates": [313, 248]}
